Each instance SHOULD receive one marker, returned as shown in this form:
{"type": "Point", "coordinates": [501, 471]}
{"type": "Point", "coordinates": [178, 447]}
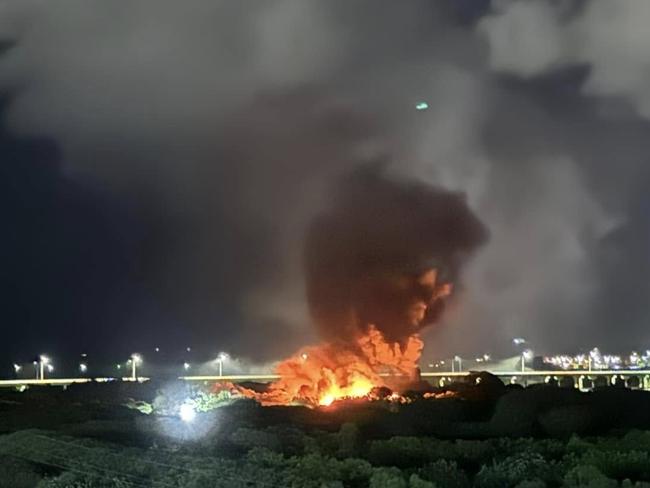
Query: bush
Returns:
{"type": "Point", "coordinates": [513, 470]}
{"type": "Point", "coordinates": [348, 440]}
{"type": "Point", "coordinates": [531, 484]}
{"type": "Point", "coordinates": [250, 438]}
{"type": "Point", "coordinates": [588, 476]}
{"type": "Point", "coordinates": [387, 478]}
{"type": "Point", "coordinates": [16, 473]}
{"type": "Point", "coordinates": [445, 474]}
{"type": "Point", "coordinates": [566, 420]}
{"type": "Point", "coordinates": [416, 482]}
{"type": "Point", "coordinates": [619, 464]}
{"type": "Point", "coordinates": [405, 452]}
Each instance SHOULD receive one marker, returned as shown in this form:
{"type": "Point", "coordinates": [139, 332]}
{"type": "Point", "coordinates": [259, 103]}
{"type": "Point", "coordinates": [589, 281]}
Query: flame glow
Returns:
{"type": "Point", "coordinates": [320, 375]}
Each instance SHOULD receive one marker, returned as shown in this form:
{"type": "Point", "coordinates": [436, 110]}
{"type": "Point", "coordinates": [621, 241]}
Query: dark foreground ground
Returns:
{"type": "Point", "coordinates": [129, 435]}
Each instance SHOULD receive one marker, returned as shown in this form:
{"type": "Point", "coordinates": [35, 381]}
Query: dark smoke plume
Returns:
{"type": "Point", "coordinates": [370, 258]}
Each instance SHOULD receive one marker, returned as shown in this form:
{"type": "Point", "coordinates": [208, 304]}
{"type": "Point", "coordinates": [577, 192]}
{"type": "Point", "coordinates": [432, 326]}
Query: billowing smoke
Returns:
{"type": "Point", "coordinates": [190, 144]}
{"type": "Point", "coordinates": [385, 254]}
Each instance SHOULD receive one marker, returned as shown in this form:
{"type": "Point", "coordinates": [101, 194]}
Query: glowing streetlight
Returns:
{"type": "Point", "coordinates": [518, 341]}
{"type": "Point", "coordinates": [460, 363]}
{"type": "Point", "coordinates": [43, 361]}
{"type": "Point", "coordinates": [220, 359]}
{"type": "Point", "coordinates": [186, 366]}
{"type": "Point", "coordinates": [36, 368]}
{"type": "Point", "coordinates": [50, 368]}
{"type": "Point", "coordinates": [136, 360]}
{"type": "Point", "coordinates": [83, 367]}
{"type": "Point", "coordinates": [526, 355]}
{"type": "Point", "coordinates": [17, 368]}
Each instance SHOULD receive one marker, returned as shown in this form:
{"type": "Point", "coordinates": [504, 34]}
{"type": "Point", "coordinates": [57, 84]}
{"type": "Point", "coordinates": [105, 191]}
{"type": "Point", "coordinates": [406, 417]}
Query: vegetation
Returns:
{"type": "Point", "coordinates": [261, 457]}
{"type": "Point", "coordinates": [125, 441]}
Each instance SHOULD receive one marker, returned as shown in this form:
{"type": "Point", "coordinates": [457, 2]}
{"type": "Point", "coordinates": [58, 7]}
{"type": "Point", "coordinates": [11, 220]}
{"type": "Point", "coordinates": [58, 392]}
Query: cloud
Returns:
{"type": "Point", "coordinates": [534, 37]}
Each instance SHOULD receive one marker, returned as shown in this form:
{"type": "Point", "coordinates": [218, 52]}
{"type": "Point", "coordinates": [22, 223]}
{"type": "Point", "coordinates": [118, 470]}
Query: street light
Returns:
{"type": "Point", "coordinates": [136, 359]}
{"type": "Point", "coordinates": [186, 366]}
{"type": "Point", "coordinates": [83, 368]}
{"type": "Point", "coordinates": [17, 368]}
{"type": "Point", "coordinates": [526, 355]}
{"type": "Point", "coordinates": [220, 359]}
{"type": "Point", "coordinates": [44, 360]}
{"type": "Point", "coordinates": [36, 368]}
{"type": "Point", "coordinates": [460, 364]}
{"type": "Point", "coordinates": [518, 341]}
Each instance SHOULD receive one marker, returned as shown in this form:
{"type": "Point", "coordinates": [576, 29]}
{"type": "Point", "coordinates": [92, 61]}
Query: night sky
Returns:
{"type": "Point", "coordinates": [160, 162]}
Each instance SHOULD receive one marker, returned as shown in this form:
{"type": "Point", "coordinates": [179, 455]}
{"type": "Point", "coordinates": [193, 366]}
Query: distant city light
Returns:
{"type": "Point", "coordinates": [422, 106]}
{"type": "Point", "coordinates": [188, 349]}
{"type": "Point", "coordinates": [83, 355]}
{"type": "Point", "coordinates": [119, 366]}
{"type": "Point", "coordinates": [187, 412]}
{"type": "Point", "coordinates": [186, 366]}
{"type": "Point", "coordinates": [157, 349]}
{"type": "Point", "coordinates": [83, 368]}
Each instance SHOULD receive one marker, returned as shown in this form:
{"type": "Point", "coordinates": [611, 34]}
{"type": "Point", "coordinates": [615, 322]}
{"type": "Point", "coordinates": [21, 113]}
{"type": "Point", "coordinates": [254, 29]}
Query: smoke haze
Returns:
{"type": "Point", "coordinates": [164, 161]}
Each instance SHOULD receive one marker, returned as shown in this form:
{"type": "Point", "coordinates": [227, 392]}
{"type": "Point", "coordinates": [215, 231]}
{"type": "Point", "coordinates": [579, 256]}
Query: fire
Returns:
{"type": "Point", "coordinates": [320, 375]}
{"type": "Point", "coordinates": [365, 358]}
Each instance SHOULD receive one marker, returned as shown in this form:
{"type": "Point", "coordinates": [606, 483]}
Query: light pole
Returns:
{"type": "Point", "coordinates": [460, 363]}
{"type": "Point", "coordinates": [220, 359]}
{"type": "Point", "coordinates": [136, 359]}
{"type": "Point", "coordinates": [526, 355]}
{"type": "Point", "coordinates": [44, 361]}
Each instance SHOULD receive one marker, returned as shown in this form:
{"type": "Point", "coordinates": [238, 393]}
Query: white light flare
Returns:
{"type": "Point", "coordinates": [187, 412]}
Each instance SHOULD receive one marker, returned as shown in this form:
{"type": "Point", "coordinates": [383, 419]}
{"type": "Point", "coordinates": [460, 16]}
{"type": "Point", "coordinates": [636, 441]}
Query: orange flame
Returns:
{"type": "Point", "coordinates": [320, 375]}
